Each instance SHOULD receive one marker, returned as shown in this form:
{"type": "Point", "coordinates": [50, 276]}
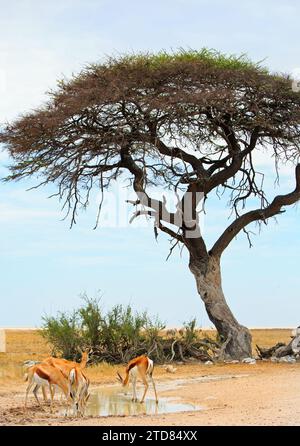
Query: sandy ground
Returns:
{"type": "Point", "coordinates": [261, 394]}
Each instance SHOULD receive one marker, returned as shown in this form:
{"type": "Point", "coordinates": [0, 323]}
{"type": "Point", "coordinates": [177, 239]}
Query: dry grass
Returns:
{"type": "Point", "coordinates": [20, 346]}
{"type": "Point", "coordinates": [9, 369]}
{"type": "Point", "coordinates": [270, 337]}
{"type": "Point", "coordinates": [26, 342]}
{"type": "Point", "coordinates": [102, 373]}
{"type": "Point", "coordinates": [264, 337]}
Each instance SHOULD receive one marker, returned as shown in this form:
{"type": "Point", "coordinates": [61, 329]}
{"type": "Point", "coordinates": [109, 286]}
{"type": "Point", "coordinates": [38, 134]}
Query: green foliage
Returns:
{"type": "Point", "coordinates": [153, 329]}
{"type": "Point", "coordinates": [190, 331]}
{"type": "Point", "coordinates": [91, 320]}
{"type": "Point", "coordinates": [63, 334]}
{"type": "Point", "coordinates": [114, 336]}
{"type": "Point", "coordinates": [121, 329]}
{"type": "Point", "coordinates": [208, 56]}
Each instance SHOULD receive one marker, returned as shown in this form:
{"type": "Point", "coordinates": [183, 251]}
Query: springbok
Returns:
{"type": "Point", "coordinates": [28, 364]}
{"type": "Point", "coordinates": [42, 375]}
{"type": "Point", "coordinates": [142, 366]}
{"type": "Point", "coordinates": [65, 365]}
{"type": "Point", "coordinates": [72, 371]}
{"type": "Point", "coordinates": [79, 388]}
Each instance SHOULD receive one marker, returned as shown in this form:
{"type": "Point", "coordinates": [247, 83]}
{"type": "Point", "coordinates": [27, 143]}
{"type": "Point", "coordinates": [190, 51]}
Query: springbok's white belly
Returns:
{"type": "Point", "coordinates": [40, 381]}
{"type": "Point", "coordinates": [133, 372]}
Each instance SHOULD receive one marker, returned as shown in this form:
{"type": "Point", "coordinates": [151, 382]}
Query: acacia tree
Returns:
{"type": "Point", "coordinates": [190, 122]}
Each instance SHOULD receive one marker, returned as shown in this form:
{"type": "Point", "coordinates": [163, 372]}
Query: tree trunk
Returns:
{"type": "Point", "coordinates": [236, 337]}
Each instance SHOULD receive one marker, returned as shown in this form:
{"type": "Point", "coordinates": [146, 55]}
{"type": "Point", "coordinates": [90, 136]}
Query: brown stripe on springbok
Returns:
{"type": "Point", "coordinates": [42, 374]}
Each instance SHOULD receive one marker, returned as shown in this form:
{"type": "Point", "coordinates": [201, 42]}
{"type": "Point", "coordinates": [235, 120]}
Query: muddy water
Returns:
{"type": "Point", "coordinates": [110, 401]}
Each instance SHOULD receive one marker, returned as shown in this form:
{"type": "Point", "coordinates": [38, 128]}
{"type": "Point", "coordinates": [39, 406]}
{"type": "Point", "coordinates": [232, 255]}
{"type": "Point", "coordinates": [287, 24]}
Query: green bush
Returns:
{"type": "Point", "coordinates": [64, 334]}
{"type": "Point", "coordinates": [114, 337]}
{"type": "Point", "coordinates": [90, 321]}
{"type": "Point", "coordinates": [121, 331]}
{"type": "Point", "coordinates": [190, 331]}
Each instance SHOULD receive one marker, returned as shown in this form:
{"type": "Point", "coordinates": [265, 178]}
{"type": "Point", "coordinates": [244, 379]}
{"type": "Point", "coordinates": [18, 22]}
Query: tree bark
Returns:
{"type": "Point", "coordinates": [236, 337]}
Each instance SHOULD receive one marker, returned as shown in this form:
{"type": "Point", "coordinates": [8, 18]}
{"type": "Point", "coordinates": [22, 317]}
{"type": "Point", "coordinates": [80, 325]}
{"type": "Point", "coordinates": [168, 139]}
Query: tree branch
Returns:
{"type": "Point", "coordinates": [237, 157]}
{"type": "Point", "coordinates": [142, 212]}
{"type": "Point", "coordinates": [171, 233]}
{"type": "Point", "coordinates": [176, 152]}
{"type": "Point", "coordinates": [160, 210]}
{"type": "Point", "coordinates": [263, 214]}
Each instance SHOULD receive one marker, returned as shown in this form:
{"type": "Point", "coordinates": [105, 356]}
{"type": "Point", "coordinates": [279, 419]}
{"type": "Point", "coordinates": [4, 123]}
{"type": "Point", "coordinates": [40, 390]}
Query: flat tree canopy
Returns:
{"type": "Point", "coordinates": [189, 122]}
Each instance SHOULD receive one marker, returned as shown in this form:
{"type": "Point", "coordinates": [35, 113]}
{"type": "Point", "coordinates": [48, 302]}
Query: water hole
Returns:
{"type": "Point", "coordinates": [111, 401]}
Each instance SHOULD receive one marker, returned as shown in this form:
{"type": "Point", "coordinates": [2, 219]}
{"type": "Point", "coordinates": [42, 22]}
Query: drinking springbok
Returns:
{"type": "Point", "coordinates": [78, 381]}
{"type": "Point", "coordinates": [142, 366]}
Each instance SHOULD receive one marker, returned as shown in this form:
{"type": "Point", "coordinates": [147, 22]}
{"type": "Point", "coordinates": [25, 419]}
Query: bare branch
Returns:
{"type": "Point", "coordinates": [171, 233]}
{"type": "Point", "coordinates": [237, 156]}
{"type": "Point", "coordinates": [142, 212]}
{"type": "Point", "coordinates": [262, 214]}
{"type": "Point", "coordinates": [171, 250]}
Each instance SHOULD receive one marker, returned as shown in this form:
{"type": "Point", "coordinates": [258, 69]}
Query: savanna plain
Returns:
{"type": "Point", "coordinates": [263, 393]}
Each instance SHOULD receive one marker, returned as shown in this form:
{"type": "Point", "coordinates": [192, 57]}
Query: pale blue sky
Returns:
{"type": "Point", "coordinates": [44, 265]}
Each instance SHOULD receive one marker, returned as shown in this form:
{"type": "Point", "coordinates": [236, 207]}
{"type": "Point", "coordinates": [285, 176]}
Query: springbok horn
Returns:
{"type": "Point", "coordinates": [119, 378]}
{"type": "Point", "coordinates": [89, 351]}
